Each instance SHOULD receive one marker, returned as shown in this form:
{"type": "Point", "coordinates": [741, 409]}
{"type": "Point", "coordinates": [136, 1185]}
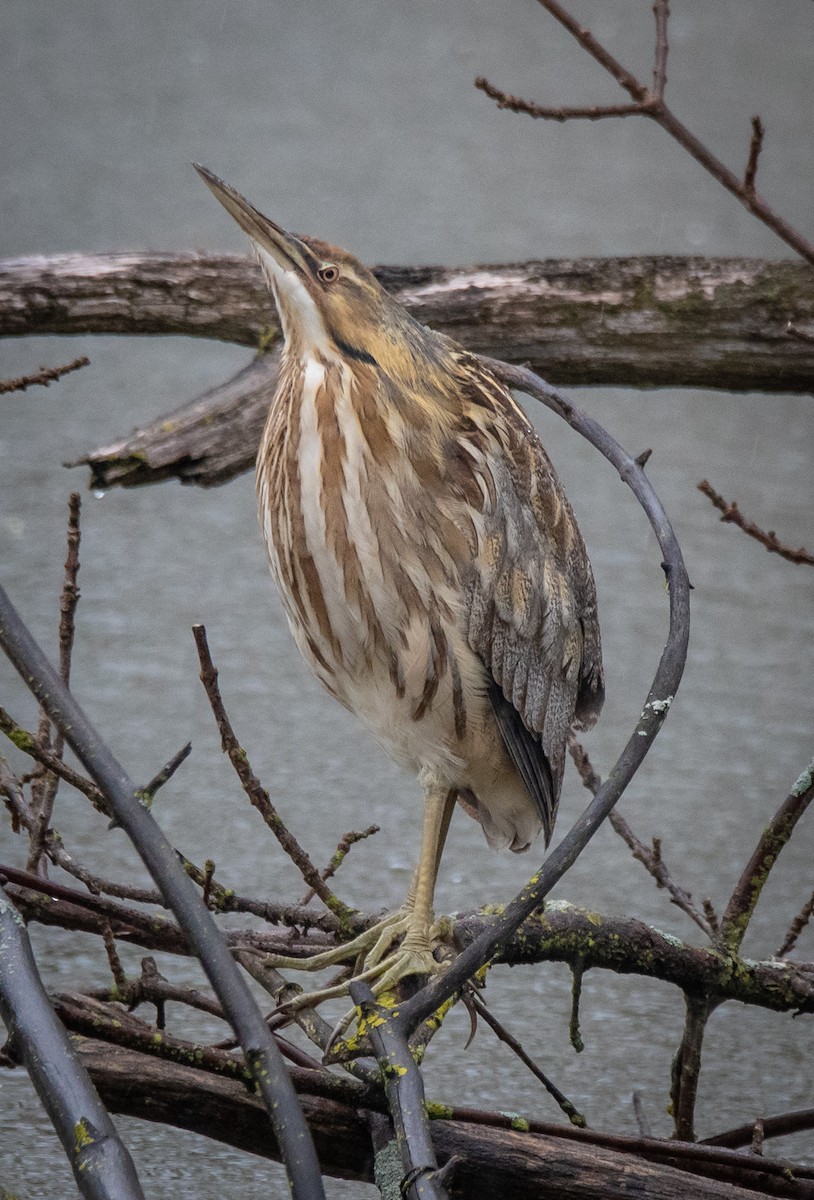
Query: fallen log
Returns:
{"type": "Point", "coordinates": [514, 1163]}
{"type": "Point", "coordinates": [640, 322]}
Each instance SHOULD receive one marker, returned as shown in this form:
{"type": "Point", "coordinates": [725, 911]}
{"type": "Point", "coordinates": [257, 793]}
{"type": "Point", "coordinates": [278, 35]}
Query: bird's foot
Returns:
{"type": "Point", "coordinates": [377, 963]}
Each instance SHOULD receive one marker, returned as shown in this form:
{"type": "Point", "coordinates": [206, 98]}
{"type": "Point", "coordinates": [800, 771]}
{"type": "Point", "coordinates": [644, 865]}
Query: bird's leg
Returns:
{"type": "Point", "coordinates": [414, 956]}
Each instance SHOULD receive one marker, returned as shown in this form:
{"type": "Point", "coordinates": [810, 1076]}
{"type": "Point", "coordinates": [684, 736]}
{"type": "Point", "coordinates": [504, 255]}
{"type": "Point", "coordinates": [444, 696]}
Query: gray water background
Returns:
{"type": "Point", "coordinates": [358, 122]}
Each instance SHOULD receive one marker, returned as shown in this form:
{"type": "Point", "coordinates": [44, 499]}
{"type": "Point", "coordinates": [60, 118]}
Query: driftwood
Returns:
{"type": "Point", "coordinates": [563, 1163]}
{"type": "Point", "coordinates": [642, 322]}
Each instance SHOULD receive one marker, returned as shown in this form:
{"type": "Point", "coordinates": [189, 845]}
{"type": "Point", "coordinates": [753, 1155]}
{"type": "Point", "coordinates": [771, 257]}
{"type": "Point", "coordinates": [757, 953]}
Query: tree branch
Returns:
{"type": "Point", "coordinates": [770, 540]}
{"type": "Point", "coordinates": [101, 1165]}
{"type": "Point", "coordinates": [743, 901]}
{"type": "Point", "coordinates": [159, 857]}
{"type": "Point", "coordinates": [44, 376]}
{"type": "Point", "coordinates": [651, 104]}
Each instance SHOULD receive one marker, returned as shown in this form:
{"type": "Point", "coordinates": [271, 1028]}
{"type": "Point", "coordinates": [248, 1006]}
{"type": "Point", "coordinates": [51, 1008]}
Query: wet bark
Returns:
{"type": "Point", "coordinates": [641, 322]}
{"type": "Point", "coordinates": [515, 1164]}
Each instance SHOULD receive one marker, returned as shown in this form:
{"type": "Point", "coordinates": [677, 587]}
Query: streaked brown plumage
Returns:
{"type": "Point", "coordinates": [429, 562]}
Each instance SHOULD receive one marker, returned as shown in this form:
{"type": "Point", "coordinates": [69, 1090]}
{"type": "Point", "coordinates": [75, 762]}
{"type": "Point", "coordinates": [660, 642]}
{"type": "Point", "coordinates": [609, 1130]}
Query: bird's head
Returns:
{"type": "Point", "coordinates": [326, 298]}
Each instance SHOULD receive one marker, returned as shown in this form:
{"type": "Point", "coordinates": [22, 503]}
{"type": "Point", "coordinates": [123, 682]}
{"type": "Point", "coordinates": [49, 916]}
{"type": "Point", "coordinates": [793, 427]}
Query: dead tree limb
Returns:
{"type": "Point", "coordinates": [514, 1163]}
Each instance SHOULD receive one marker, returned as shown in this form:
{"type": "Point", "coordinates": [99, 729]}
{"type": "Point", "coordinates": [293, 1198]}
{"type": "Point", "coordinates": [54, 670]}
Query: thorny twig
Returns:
{"type": "Point", "coordinates": [649, 102]}
{"type": "Point", "coordinates": [44, 376]}
{"type": "Point", "coordinates": [731, 513]}
{"type": "Point", "coordinates": [651, 860]}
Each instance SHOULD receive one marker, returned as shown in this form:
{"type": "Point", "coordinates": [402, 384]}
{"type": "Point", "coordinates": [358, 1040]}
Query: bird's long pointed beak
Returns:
{"type": "Point", "coordinates": [284, 247]}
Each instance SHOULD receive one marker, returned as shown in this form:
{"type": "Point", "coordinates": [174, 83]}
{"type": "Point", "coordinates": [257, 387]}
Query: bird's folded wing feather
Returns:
{"type": "Point", "coordinates": [531, 605]}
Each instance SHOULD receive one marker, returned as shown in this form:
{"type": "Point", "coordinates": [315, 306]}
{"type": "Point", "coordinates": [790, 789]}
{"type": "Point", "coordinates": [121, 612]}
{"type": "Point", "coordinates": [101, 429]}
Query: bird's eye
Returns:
{"type": "Point", "coordinates": [328, 273]}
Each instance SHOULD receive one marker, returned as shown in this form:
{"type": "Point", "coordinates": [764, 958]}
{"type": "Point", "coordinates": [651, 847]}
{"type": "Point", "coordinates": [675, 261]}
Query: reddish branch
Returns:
{"type": "Point", "coordinates": [732, 514]}
{"type": "Point", "coordinates": [44, 376]}
{"type": "Point", "coordinates": [649, 102]}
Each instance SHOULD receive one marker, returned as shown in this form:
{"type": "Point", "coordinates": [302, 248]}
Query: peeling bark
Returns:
{"type": "Point", "coordinates": [640, 322]}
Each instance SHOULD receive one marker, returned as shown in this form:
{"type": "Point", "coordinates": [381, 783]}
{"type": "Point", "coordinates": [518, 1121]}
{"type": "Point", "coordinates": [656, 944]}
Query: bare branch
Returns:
{"type": "Point", "coordinates": [340, 854]}
{"type": "Point", "coordinates": [651, 104]}
{"type": "Point", "coordinates": [747, 891]}
{"type": "Point", "coordinates": [502, 1033]}
{"type": "Point", "coordinates": [102, 1167]}
{"type": "Point", "coordinates": [731, 513]}
{"type": "Point", "coordinates": [69, 598]}
{"type": "Point", "coordinates": [755, 147]}
{"type": "Point", "coordinates": [780, 1126]}
{"type": "Point", "coordinates": [404, 1088]}
{"type": "Point", "coordinates": [687, 1066]}
{"type": "Point", "coordinates": [651, 860]}
{"type": "Point", "coordinates": [561, 113]}
{"type": "Point", "coordinates": [44, 376]}
{"type": "Point", "coordinates": [255, 791]}
{"type": "Point", "coordinates": [796, 928]}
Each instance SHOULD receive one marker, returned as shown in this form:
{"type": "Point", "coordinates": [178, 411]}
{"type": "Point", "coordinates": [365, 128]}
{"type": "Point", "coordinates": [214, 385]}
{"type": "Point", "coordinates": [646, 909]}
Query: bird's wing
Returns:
{"type": "Point", "coordinates": [530, 595]}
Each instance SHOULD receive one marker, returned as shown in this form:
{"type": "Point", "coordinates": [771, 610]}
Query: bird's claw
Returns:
{"type": "Point", "coordinates": [377, 963]}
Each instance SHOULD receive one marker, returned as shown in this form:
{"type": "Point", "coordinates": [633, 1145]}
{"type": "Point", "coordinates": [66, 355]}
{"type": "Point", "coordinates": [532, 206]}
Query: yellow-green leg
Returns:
{"type": "Point", "coordinates": [414, 956]}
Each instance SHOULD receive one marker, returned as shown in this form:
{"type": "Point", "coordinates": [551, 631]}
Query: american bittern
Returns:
{"type": "Point", "coordinates": [430, 565]}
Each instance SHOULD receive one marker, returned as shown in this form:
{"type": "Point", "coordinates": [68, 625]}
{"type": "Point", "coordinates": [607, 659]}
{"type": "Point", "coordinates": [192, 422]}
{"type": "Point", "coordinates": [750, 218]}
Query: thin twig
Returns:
{"type": "Point", "coordinates": [503, 1035]}
{"type": "Point", "coordinates": [116, 968]}
{"type": "Point", "coordinates": [731, 513]}
{"type": "Point", "coordinates": [339, 855]}
{"type": "Point", "coordinates": [255, 791]}
{"type": "Point", "coordinates": [747, 890]}
{"type": "Point", "coordinates": [650, 103]}
{"type": "Point", "coordinates": [69, 599]}
{"type": "Point", "coordinates": [44, 376]}
{"type": "Point", "coordinates": [645, 1130]}
{"type": "Point", "coordinates": [29, 744]}
{"type": "Point", "coordinates": [563, 112]}
{"type": "Point", "coordinates": [796, 928]}
{"type": "Point", "coordinates": [167, 771]}
{"type": "Point", "coordinates": [651, 860]}
{"type": "Point", "coordinates": [755, 147]}
{"type": "Point", "coordinates": [782, 1125]}
{"type": "Point", "coordinates": [661, 9]}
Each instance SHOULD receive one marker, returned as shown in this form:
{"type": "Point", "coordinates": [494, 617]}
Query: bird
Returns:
{"type": "Point", "coordinates": [429, 563]}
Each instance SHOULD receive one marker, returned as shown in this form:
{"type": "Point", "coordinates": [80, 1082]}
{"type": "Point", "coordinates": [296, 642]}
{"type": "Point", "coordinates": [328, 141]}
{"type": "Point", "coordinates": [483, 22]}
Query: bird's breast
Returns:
{"type": "Point", "coordinates": [361, 551]}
